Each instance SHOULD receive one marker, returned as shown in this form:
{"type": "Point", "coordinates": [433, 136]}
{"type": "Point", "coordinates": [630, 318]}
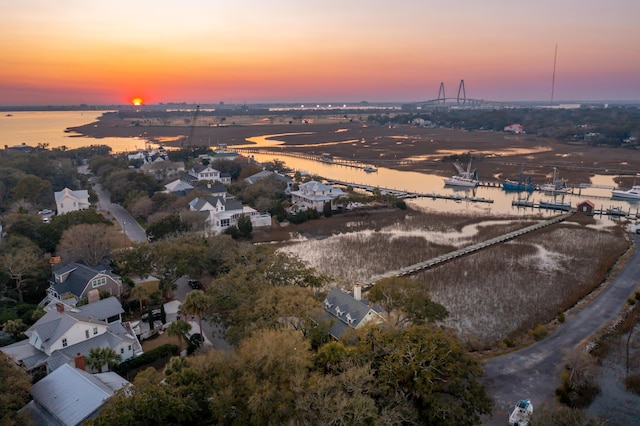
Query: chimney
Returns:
{"type": "Point", "coordinates": [79, 361]}
{"type": "Point", "coordinates": [357, 292]}
{"type": "Point", "coordinates": [59, 307]}
{"type": "Point", "coordinates": [93, 295]}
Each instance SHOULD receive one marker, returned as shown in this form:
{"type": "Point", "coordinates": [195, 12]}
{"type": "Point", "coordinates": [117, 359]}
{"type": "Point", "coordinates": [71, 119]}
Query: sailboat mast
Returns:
{"type": "Point", "coordinates": [553, 78]}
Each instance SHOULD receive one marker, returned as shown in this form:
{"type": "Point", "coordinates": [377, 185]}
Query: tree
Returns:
{"type": "Point", "coordinates": [88, 243]}
{"type": "Point", "coordinates": [15, 327]}
{"type": "Point", "coordinates": [196, 303]}
{"type": "Point", "coordinates": [99, 357]}
{"type": "Point", "coordinates": [14, 392]}
{"type": "Point", "coordinates": [326, 209]}
{"type": "Point", "coordinates": [179, 328]}
{"type": "Point", "coordinates": [430, 369]}
{"type": "Point", "coordinates": [139, 292]}
{"type": "Point", "coordinates": [406, 301]}
{"type": "Point", "coordinates": [21, 261]}
{"type": "Point", "coordinates": [148, 402]}
{"type": "Point", "coordinates": [245, 227]}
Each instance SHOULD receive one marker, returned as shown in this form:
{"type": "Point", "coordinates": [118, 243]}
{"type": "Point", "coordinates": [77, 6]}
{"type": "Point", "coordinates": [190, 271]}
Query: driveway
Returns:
{"type": "Point", "coordinates": [533, 372]}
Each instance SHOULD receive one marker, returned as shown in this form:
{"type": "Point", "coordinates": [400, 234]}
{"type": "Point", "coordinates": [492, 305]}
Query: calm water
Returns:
{"type": "Point", "coordinates": [49, 127]}
{"type": "Point", "coordinates": [34, 127]}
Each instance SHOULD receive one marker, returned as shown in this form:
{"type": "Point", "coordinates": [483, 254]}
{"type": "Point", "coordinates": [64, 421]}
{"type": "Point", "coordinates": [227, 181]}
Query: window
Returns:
{"type": "Point", "coordinates": [95, 330]}
{"type": "Point", "coordinates": [86, 333]}
{"type": "Point", "coordinates": [98, 282]}
{"type": "Point", "coordinates": [121, 350]}
{"type": "Point", "coordinates": [129, 347]}
{"type": "Point", "coordinates": [64, 342]}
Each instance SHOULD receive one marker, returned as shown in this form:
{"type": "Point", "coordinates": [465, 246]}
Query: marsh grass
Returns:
{"type": "Point", "coordinates": [491, 295]}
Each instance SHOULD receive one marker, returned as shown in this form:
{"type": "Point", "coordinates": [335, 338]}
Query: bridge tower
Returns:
{"type": "Point", "coordinates": [441, 97]}
{"type": "Point", "coordinates": [463, 92]}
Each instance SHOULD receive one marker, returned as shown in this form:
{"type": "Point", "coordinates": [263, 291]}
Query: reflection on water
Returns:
{"type": "Point", "coordinates": [429, 184]}
{"type": "Point", "coordinates": [48, 127]}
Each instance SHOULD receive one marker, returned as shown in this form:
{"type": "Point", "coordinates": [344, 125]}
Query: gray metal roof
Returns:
{"type": "Point", "coordinates": [79, 277]}
{"type": "Point", "coordinates": [102, 309]}
{"type": "Point", "coordinates": [70, 394]}
{"type": "Point", "coordinates": [345, 308]}
{"type": "Point", "coordinates": [79, 193]}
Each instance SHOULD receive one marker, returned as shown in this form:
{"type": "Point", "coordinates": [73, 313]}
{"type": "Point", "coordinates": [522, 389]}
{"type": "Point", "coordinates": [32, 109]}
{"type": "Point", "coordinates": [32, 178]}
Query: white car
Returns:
{"type": "Point", "coordinates": [521, 414]}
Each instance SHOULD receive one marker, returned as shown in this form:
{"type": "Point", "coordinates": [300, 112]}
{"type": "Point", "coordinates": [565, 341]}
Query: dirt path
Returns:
{"type": "Point", "coordinates": [533, 372]}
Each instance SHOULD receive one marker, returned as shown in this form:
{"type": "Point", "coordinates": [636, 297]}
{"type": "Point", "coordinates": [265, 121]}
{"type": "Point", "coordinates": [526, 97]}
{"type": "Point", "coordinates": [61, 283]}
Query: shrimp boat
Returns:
{"type": "Point", "coordinates": [521, 414]}
{"type": "Point", "coordinates": [465, 178]}
{"type": "Point", "coordinates": [557, 186]}
{"type": "Point", "coordinates": [522, 184]}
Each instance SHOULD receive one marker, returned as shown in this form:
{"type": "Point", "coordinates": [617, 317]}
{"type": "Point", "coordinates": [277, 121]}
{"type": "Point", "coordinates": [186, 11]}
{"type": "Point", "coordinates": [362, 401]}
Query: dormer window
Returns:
{"type": "Point", "coordinates": [64, 342]}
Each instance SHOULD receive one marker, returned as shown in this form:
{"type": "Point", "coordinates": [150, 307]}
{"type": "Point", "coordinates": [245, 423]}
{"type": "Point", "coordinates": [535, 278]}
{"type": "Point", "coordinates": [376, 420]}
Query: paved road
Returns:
{"type": "Point", "coordinates": [533, 372]}
{"type": "Point", "coordinates": [131, 228]}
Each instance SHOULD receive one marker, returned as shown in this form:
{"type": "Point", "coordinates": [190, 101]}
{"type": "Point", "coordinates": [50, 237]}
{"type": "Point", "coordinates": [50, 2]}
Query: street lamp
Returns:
{"type": "Point", "coordinates": [124, 232]}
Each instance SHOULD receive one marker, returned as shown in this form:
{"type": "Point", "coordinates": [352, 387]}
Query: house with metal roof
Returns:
{"type": "Point", "coordinates": [223, 213]}
{"type": "Point", "coordinates": [68, 200]}
{"type": "Point", "coordinates": [75, 281]}
{"type": "Point", "coordinates": [348, 311]}
{"type": "Point", "coordinates": [201, 172]}
{"type": "Point", "coordinates": [66, 331]}
{"type": "Point", "coordinates": [314, 195]}
{"type": "Point", "coordinates": [69, 396]}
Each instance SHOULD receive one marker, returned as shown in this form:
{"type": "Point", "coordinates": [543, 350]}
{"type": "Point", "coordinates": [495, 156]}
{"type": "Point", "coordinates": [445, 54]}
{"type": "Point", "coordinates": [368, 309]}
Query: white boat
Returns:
{"type": "Point", "coordinates": [630, 194]}
{"type": "Point", "coordinates": [370, 169]}
{"type": "Point", "coordinates": [521, 414]}
{"type": "Point", "coordinates": [464, 177]}
{"type": "Point", "coordinates": [559, 186]}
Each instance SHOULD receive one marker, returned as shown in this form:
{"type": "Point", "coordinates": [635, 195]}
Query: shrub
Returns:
{"type": "Point", "coordinates": [632, 382]}
{"type": "Point", "coordinates": [561, 318]}
{"type": "Point", "coordinates": [539, 332]}
{"type": "Point", "coordinates": [163, 353]}
{"type": "Point", "coordinates": [631, 301]}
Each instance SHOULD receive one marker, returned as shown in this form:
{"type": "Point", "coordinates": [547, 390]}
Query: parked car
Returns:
{"type": "Point", "coordinates": [156, 314]}
{"type": "Point", "coordinates": [195, 284]}
{"type": "Point", "coordinates": [45, 212]}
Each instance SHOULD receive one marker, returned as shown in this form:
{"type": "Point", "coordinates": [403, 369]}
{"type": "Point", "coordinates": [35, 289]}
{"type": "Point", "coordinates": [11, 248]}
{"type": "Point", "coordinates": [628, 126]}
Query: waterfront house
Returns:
{"type": "Point", "coordinates": [206, 173]}
{"type": "Point", "coordinates": [222, 213]}
{"type": "Point", "coordinates": [348, 311]}
{"type": "Point", "coordinates": [314, 195]}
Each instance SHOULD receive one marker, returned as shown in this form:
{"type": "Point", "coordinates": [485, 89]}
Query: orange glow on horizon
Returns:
{"type": "Point", "coordinates": [136, 101]}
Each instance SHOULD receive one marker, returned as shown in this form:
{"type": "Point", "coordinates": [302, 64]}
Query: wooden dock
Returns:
{"type": "Point", "coordinates": [428, 264]}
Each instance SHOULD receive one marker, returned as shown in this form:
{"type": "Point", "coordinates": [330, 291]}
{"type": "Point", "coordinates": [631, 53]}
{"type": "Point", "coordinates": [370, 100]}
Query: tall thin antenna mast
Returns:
{"type": "Point", "coordinates": [553, 79]}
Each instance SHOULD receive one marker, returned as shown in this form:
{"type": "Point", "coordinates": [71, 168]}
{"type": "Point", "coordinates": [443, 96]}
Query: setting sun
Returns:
{"type": "Point", "coordinates": [136, 101]}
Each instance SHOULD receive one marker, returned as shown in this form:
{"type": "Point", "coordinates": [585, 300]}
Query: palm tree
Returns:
{"type": "Point", "coordinates": [98, 357]}
{"type": "Point", "coordinates": [179, 328]}
{"type": "Point", "coordinates": [196, 303]}
{"type": "Point", "coordinates": [139, 292]}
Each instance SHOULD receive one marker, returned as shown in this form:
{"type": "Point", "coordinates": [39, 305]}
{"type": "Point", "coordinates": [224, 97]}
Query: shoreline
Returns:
{"type": "Point", "coordinates": [496, 155]}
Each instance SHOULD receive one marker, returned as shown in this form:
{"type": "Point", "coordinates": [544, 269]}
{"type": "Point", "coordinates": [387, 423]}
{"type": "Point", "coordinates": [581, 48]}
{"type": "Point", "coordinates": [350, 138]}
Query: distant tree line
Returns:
{"type": "Point", "coordinates": [594, 126]}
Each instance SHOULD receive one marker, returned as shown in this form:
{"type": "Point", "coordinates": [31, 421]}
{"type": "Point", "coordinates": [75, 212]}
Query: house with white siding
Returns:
{"type": "Point", "coordinates": [222, 213]}
{"type": "Point", "coordinates": [314, 195]}
{"type": "Point", "coordinates": [68, 200]}
{"type": "Point", "coordinates": [66, 331]}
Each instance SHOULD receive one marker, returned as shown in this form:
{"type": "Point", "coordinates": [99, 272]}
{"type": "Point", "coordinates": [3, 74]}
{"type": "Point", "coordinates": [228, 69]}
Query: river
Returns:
{"type": "Point", "coordinates": [49, 127]}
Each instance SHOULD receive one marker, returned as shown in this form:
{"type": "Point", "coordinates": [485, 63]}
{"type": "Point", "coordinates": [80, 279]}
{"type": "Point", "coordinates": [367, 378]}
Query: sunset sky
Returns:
{"type": "Point", "coordinates": [104, 52]}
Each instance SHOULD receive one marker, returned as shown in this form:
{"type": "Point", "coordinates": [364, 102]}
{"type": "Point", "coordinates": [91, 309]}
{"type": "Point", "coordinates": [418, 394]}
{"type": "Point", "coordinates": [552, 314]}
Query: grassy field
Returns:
{"type": "Point", "coordinates": [493, 295]}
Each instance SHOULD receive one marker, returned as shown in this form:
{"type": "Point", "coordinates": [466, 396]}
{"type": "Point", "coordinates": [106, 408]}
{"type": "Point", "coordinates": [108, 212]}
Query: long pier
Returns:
{"type": "Point", "coordinates": [428, 264]}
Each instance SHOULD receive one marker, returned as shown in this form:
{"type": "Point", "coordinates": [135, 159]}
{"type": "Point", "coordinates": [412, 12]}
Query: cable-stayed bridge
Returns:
{"type": "Point", "coordinates": [460, 99]}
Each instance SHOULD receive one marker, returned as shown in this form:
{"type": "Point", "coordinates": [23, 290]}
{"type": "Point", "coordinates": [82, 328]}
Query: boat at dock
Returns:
{"type": "Point", "coordinates": [522, 203]}
{"type": "Point", "coordinates": [522, 184]}
{"type": "Point", "coordinates": [370, 169]}
{"type": "Point", "coordinates": [465, 178]}
{"type": "Point", "coordinates": [553, 205]}
{"type": "Point", "coordinates": [557, 186]}
{"type": "Point", "coordinates": [630, 194]}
